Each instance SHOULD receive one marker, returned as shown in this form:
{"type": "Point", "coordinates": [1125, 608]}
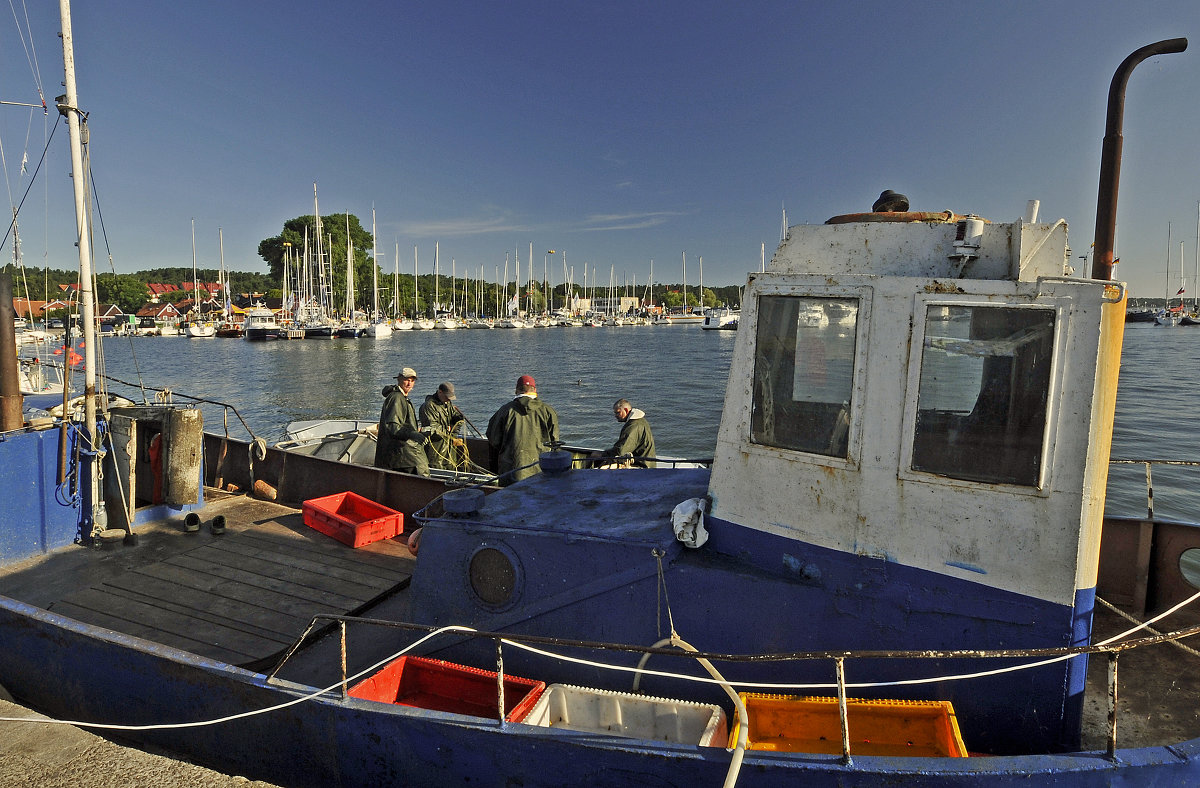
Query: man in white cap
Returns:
{"type": "Point", "coordinates": [401, 445]}
{"type": "Point", "coordinates": [440, 418]}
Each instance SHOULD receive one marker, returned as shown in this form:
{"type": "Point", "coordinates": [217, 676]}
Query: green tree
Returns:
{"type": "Point", "coordinates": [126, 291]}
{"type": "Point", "coordinates": [286, 250]}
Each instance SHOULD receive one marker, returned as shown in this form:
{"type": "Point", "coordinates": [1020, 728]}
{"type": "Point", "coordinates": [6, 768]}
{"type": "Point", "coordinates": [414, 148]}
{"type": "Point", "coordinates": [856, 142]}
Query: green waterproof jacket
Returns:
{"type": "Point", "coordinates": [635, 440]}
{"type": "Point", "coordinates": [401, 445]}
{"type": "Point", "coordinates": [443, 419]}
{"type": "Point", "coordinates": [518, 433]}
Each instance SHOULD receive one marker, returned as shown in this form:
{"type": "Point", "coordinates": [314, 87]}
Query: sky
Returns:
{"type": "Point", "coordinates": [617, 133]}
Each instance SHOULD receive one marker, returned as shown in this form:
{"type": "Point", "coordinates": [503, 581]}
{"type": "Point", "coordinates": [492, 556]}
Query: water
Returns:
{"type": "Point", "coordinates": [677, 374]}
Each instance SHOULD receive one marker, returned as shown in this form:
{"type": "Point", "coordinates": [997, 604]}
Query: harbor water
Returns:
{"type": "Point", "coordinates": [676, 374]}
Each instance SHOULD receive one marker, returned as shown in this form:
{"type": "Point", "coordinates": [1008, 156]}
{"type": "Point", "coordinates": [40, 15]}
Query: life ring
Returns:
{"type": "Point", "coordinates": [945, 217]}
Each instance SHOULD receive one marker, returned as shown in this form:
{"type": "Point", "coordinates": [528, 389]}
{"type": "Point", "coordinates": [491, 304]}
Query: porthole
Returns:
{"type": "Point", "coordinates": [494, 575]}
{"type": "Point", "coordinates": [1189, 566]}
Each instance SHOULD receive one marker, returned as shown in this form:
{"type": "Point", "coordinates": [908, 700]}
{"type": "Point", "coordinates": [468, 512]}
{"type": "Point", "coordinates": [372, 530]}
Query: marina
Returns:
{"type": "Point", "coordinates": [919, 522]}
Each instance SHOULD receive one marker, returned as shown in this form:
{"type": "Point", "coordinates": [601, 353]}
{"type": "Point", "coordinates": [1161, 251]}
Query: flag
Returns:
{"type": "Point", "coordinates": [550, 251]}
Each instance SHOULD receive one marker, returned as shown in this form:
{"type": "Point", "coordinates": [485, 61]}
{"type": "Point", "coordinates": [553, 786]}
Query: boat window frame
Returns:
{"type": "Point", "coordinates": [1061, 306]}
{"type": "Point", "coordinates": [864, 294]}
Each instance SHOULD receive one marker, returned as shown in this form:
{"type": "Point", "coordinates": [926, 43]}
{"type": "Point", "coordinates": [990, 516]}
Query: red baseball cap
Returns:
{"type": "Point", "coordinates": [526, 380]}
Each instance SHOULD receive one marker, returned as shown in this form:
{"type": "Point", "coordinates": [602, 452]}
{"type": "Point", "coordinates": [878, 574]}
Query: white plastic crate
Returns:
{"type": "Point", "coordinates": [628, 715]}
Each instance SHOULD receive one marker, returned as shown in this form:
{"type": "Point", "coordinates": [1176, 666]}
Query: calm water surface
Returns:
{"type": "Point", "coordinates": [677, 374]}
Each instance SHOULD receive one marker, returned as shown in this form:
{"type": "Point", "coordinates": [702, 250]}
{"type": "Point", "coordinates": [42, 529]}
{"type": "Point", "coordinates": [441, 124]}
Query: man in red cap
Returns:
{"type": "Point", "coordinates": [520, 431]}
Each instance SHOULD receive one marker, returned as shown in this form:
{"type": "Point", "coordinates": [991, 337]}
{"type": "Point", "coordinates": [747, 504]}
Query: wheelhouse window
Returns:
{"type": "Point", "coordinates": [804, 373]}
{"type": "Point", "coordinates": [985, 382]}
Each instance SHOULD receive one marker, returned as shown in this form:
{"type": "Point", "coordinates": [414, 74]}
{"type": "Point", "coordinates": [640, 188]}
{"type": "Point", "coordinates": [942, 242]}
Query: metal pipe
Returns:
{"type": "Point", "coordinates": [1110, 156]}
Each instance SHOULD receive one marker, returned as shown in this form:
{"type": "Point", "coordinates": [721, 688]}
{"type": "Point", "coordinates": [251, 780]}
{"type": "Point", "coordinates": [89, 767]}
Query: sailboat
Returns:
{"type": "Point", "coordinates": [227, 328]}
{"type": "Point", "coordinates": [419, 323]}
{"type": "Point", "coordinates": [400, 323]}
{"type": "Point", "coordinates": [1193, 319]}
{"type": "Point", "coordinates": [1168, 317]}
{"type": "Point", "coordinates": [198, 327]}
{"type": "Point", "coordinates": [379, 328]}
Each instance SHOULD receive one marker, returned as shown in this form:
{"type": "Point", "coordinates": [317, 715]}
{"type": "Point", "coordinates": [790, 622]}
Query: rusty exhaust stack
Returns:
{"type": "Point", "coordinates": [1110, 157]}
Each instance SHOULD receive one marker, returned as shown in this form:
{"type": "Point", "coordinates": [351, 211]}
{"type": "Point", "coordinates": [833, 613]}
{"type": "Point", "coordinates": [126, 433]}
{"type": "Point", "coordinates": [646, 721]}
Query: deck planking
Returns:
{"type": "Point", "coordinates": [242, 597]}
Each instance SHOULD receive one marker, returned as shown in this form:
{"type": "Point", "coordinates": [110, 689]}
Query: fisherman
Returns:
{"type": "Point", "coordinates": [401, 445]}
{"type": "Point", "coordinates": [440, 418]}
{"type": "Point", "coordinates": [636, 442]}
{"type": "Point", "coordinates": [520, 431]}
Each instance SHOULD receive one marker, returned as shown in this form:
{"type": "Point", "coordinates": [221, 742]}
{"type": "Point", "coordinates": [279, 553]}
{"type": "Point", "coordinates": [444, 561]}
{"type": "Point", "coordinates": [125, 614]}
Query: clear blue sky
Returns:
{"type": "Point", "coordinates": [619, 132]}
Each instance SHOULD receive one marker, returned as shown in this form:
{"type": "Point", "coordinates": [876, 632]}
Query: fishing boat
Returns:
{"type": "Point", "coordinates": [883, 579]}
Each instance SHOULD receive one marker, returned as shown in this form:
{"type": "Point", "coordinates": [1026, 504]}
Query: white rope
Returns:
{"type": "Point", "coordinates": [602, 666]}
{"type": "Point", "coordinates": [241, 715]}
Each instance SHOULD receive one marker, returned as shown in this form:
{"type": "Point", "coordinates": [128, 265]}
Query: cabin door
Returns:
{"type": "Point", "coordinates": [120, 471]}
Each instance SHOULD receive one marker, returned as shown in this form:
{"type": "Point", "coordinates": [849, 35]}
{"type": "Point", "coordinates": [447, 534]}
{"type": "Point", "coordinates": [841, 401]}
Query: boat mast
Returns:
{"type": "Point", "coordinates": [374, 268]}
{"type": "Point", "coordinates": [349, 272]}
{"type": "Point", "coordinates": [195, 280]}
{"type": "Point", "coordinates": [685, 303]}
{"type": "Point", "coordinates": [1167, 274]}
{"type": "Point", "coordinates": [68, 105]}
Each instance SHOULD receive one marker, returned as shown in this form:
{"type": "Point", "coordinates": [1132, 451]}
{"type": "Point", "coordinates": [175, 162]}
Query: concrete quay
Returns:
{"type": "Point", "coordinates": [41, 755]}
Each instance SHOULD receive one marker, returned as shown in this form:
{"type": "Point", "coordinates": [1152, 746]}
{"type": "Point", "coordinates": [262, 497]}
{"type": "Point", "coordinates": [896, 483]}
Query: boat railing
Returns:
{"type": "Point", "coordinates": [1111, 649]}
{"type": "Point", "coordinates": [1149, 476]}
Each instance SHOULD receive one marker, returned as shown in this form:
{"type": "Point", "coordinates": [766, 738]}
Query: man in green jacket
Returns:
{"type": "Point", "coordinates": [636, 442]}
{"type": "Point", "coordinates": [401, 443]}
{"type": "Point", "coordinates": [441, 418]}
{"type": "Point", "coordinates": [520, 431]}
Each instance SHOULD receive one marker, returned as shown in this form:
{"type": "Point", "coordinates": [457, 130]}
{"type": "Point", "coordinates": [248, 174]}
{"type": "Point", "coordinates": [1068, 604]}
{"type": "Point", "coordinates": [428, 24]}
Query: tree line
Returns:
{"type": "Point", "coordinates": [294, 251]}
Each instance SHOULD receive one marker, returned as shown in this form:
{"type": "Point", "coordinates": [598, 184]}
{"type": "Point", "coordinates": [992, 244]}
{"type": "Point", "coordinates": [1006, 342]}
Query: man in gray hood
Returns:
{"type": "Point", "coordinates": [636, 442]}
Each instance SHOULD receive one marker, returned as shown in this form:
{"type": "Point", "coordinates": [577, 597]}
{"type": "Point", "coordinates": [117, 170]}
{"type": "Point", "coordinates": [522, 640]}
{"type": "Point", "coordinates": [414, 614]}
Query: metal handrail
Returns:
{"type": "Point", "coordinates": [1112, 650]}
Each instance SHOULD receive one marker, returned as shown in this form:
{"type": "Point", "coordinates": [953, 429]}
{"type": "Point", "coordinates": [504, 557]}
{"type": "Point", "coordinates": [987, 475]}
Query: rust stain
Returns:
{"type": "Point", "coordinates": [942, 287]}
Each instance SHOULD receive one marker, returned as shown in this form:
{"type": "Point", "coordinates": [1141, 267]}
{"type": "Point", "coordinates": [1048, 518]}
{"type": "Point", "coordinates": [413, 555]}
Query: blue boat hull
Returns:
{"type": "Point", "coordinates": [330, 742]}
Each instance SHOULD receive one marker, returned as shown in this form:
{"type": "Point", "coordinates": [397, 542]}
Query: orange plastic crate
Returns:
{"type": "Point", "coordinates": [445, 686]}
{"type": "Point", "coordinates": [791, 723]}
{"type": "Point", "coordinates": [352, 519]}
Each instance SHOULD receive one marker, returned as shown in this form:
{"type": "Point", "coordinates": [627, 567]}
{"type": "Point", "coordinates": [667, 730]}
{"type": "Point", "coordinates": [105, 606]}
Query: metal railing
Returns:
{"type": "Point", "coordinates": [1112, 651]}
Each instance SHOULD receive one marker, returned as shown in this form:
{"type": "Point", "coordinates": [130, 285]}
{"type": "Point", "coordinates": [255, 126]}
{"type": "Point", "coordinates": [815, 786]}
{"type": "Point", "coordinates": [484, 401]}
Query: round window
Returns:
{"type": "Point", "coordinates": [1189, 566]}
{"type": "Point", "coordinates": [493, 576]}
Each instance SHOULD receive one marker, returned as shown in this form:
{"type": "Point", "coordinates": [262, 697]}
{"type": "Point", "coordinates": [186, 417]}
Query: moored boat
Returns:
{"type": "Point", "coordinates": [867, 534]}
{"type": "Point", "coordinates": [260, 324]}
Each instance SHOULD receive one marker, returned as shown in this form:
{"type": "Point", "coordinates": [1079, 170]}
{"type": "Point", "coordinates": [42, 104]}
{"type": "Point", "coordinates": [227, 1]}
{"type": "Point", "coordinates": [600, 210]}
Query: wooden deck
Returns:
{"type": "Point", "coordinates": [241, 597]}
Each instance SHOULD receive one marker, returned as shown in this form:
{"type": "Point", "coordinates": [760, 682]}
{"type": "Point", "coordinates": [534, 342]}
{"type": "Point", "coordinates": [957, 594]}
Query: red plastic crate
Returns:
{"type": "Point", "coordinates": [445, 686]}
{"type": "Point", "coordinates": [352, 519]}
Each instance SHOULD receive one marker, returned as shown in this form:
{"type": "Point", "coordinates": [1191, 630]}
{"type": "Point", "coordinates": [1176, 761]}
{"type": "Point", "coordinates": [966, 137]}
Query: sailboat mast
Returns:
{"type": "Point", "coordinates": [195, 280]}
{"type": "Point", "coordinates": [70, 108]}
{"type": "Point", "coordinates": [374, 267]}
{"type": "Point", "coordinates": [349, 272]}
{"type": "Point", "coordinates": [1167, 274]}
